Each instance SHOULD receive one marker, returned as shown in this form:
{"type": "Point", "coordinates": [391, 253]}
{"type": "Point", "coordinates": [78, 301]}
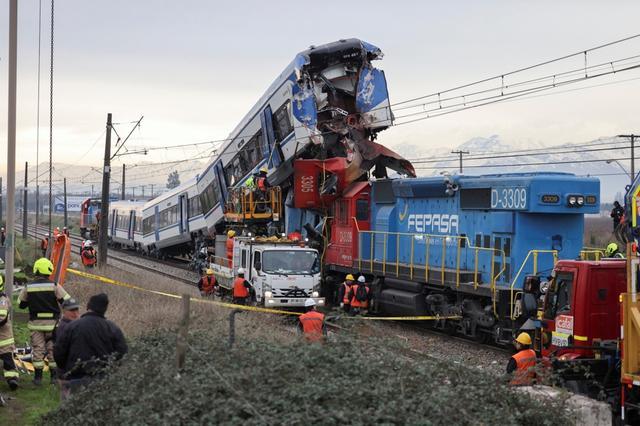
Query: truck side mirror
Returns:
{"type": "Point", "coordinates": [257, 265]}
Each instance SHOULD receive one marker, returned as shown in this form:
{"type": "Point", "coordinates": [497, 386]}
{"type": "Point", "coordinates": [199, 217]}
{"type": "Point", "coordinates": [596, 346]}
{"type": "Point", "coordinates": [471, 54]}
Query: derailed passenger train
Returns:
{"type": "Point", "coordinates": [458, 245]}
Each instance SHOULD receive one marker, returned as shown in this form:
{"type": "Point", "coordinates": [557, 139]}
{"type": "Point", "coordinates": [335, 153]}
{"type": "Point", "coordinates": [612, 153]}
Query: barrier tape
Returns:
{"type": "Point", "coordinates": [247, 308]}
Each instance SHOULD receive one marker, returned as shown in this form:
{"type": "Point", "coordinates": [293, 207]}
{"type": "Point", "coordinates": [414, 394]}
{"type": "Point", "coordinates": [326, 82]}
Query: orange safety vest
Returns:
{"type": "Point", "coordinates": [355, 303]}
{"type": "Point", "coordinates": [229, 246]}
{"type": "Point", "coordinates": [208, 284]}
{"type": "Point", "coordinates": [524, 373]}
{"type": "Point", "coordinates": [345, 298]}
{"type": "Point", "coordinates": [88, 256]}
{"type": "Point", "coordinates": [294, 236]}
{"type": "Point", "coordinates": [239, 290]}
{"type": "Point", "coordinates": [312, 323]}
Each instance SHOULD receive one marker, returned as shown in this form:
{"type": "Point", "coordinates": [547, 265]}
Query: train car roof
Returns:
{"type": "Point", "coordinates": [178, 189]}
{"type": "Point", "coordinates": [123, 204]}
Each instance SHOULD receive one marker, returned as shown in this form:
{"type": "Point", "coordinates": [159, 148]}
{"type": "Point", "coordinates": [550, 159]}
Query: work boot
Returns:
{"type": "Point", "coordinates": [54, 376]}
{"type": "Point", "coordinates": [13, 383]}
{"type": "Point", "coordinates": [37, 379]}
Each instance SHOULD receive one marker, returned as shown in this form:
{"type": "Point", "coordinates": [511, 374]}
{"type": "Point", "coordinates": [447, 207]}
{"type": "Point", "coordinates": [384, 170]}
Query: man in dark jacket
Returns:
{"type": "Point", "coordinates": [617, 212]}
{"type": "Point", "coordinates": [86, 344]}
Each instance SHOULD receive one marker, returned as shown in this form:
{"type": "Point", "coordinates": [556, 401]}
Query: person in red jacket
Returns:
{"type": "Point", "coordinates": [241, 289]}
{"type": "Point", "coordinates": [312, 323]}
{"type": "Point", "coordinates": [207, 284]}
{"type": "Point", "coordinates": [343, 293]}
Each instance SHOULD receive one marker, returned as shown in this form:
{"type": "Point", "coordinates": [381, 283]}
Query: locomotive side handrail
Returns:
{"type": "Point", "coordinates": [534, 255]}
{"type": "Point", "coordinates": [442, 266]}
{"type": "Point", "coordinates": [597, 253]}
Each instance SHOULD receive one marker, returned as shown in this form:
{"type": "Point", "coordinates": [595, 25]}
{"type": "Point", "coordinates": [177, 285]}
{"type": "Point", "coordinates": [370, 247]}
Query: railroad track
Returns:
{"type": "Point", "coordinates": [122, 257]}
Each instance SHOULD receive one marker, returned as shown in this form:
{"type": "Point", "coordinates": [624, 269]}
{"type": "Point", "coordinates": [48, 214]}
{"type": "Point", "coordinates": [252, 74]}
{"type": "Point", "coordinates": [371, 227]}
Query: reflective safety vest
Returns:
{"type": "Point", "coordinates": [355, 303]}
{"type": "Point", "coordinates": [312, 323]}
{"type": "Point", "coordinates": [239, 290]}
{"type": "Point", "coordinates": [524, 373]}
{"type": "Point", "coordinates": [43, 303]}
{"type": "Point", "coordinates": [229, 246]}
{"type": "Point", "coordinates": [345, 297]}
{"type": "Point", "coordinates": [208, 284]}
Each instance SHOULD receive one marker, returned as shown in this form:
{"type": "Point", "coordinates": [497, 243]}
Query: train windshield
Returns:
{"type": "Point", "coordinates": [290, 262]}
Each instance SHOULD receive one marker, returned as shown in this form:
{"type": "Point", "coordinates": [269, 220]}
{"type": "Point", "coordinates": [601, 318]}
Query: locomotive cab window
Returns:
{"type": "Point", "coordinates": [362, 210]}
{"type": "Point", "coordinates": [558, 299]}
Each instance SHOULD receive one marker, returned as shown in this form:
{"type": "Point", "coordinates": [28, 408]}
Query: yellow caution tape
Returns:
{"type": "Point", "coordinates": [248, 308]}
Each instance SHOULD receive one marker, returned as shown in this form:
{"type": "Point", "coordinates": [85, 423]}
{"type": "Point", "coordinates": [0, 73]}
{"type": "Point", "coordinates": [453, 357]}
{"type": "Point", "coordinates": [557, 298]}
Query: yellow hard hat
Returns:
{"type": "Point", "coordinates": [523, 338]}
{"type": "Point", "coordinates": [209, 271]}
{"type": "Point", "coordinates": [349, 278]}
{"type": "Point", "coordinates": [231, 234]}
{"type": "Point", "coordinates": [264, 169]}
{"type": "Point", "coordinates": [611, 249]}
{"type": "Point", "coordinates": [43, 266]}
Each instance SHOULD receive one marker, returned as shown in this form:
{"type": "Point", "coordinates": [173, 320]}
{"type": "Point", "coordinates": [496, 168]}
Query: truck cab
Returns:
{"type": "Point", "coordinates": [282, 273]}
{"type": "Point", "coordinates": [582, 308]}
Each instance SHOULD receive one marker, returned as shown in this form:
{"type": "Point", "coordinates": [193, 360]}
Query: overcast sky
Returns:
{"type": "Point", "coordinates": [194, 68]}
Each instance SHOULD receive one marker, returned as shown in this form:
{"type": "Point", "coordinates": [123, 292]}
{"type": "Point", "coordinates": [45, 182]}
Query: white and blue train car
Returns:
{"type": "Point", "coordinates": [172, 221]}
{"type": "Point", "coordinates": [313, 105]}
{"type": "Point", "coordinates": [125, 224]}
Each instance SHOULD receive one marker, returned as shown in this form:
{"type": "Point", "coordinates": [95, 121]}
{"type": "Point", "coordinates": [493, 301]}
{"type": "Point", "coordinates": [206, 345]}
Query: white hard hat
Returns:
{"type": "Point", "coordinates": [309, 302]}
{"type": "Point", "coordinates": [87, 243]}
{"type": "Point", "coordinates": [361, 279]}
{"type": "Point", "coordinates": [241, 271]}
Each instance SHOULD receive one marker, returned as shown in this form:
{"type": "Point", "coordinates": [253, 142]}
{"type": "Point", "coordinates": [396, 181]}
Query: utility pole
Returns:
{"type": "Point", "coordinates": [0, 199]}
{"type": "Point", "coordinates": [104, 211]}
{"type": "Point", "coordinates": [142, 192]}
{"type": "Point", "coordinates": [11, 147]}
{"type": "Point", "coordinates": [133, 188]}
{"type": "Point", "coordinates": [66, 221]}
{"type": "Point", "coordinates": [632, 138]}
{"type": "Point", "coordinates": [151, 190]}
{"type": "Point", "coordinates": [24, 202]}
{"type": "Point", "coordinates": [91, 190]}
{"type": "Point", "coordinates": [460, 153]}
{"type": "Point", "coordinates": [123, 186]}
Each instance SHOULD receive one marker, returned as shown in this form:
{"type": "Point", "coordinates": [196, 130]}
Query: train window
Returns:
{"type": "Point", "coordinates": [147, 225]}
{"type": "Point", "coordinates": [362, 210]}
{"type": "Point", "coordinates": [478, 240]}
{"type": "Point", "coordinates": [341, 212]}
{"type": "Point", "coordinates": [497, 243]}
{"type": "Point", "coordinates": [138, 224]}
{"type": "Point", "coordinates": [507, 247]}
{"type": "Point", "coordinates": [210, 196]}
{"type": "Point", "coordinates": [282, 122]}
{"type": "Point", "coordinates": [245, 160]}
{"type": "Point", "coordinates": [475, 198]}
{"type": "Point", "coordinates": [462, 241]}
{"type": "Point", "coordinates": [487, 241]}
{"type": "Point", "coordinates": [194, 207]}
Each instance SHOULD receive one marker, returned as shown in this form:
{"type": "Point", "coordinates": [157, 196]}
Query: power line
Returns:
{"type": "Point", "coordinates": [543, 163]}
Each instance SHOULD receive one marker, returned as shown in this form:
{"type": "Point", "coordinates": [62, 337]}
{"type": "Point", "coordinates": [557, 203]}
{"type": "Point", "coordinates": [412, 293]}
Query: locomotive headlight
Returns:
{"type": "Point", "coordinates": [572, 200]}
{"type": "Point", "coordinates": [580, 200]}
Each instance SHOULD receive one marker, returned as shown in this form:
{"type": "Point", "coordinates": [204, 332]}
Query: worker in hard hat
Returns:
{"type": "Point", "coordinates": [360, 296]}
{"type": "Point", "coordinates": [42, 297]}
{"type": "Point", "coordinates": [343, 293]}
{"type": "Point", "coordinates": [7, 343]}
{"type": "Point", "coordinates": [241, 289]}
{"type": "Point", "coordinates": [56, 232]}
{"type": "Point", "coordinates": [522, 365]}
{"type": "Point", "coordinates": [312, 322]}
{"type": "Point", "coordinates": [613, 251]}
{"type": "Point", "coordinates": [229, 246]}
{"type": "Point", "coordinates": [207, 284]}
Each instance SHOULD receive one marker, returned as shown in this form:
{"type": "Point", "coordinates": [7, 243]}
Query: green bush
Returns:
{"type": "Point", "coordinates": [262, 382]}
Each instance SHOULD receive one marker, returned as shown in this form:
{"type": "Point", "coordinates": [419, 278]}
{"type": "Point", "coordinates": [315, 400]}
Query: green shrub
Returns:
{"type": "Point", "coordinates": [260, 382]}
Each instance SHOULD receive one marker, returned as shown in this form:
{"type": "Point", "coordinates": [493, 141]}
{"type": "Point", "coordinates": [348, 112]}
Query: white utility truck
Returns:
{"type": "Point", "coordinates": [283, 273]}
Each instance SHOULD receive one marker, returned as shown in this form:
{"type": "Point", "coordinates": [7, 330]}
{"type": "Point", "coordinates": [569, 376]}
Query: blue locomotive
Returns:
{"type": "Point", "coordinates": [459, 245]}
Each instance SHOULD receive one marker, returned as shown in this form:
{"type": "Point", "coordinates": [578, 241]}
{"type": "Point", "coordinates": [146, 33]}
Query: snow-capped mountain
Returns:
{"type": "Point", "coordinates": [488, 155]}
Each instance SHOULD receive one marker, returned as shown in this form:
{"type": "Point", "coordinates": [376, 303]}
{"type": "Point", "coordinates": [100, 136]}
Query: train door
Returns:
{"type": "Point", "coordinates": [114, 222]}
{"type": "Point", "coordinates": [156, 219]}
{"type": "Point", "coordinates": [132, 224]}
{"type": "Point", "coordinates": [183, 204]}
{"type": "Point", "coordinates": [219, 174]}
{"type": "Point", "coordinates": [272, 155]}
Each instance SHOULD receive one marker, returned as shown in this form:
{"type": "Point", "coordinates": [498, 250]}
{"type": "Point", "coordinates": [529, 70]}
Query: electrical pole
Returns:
{"type": "Point", "coordinates": [24, 202]}
{"type": "Point", "coordinates": [66, 221]}
{"type": "Point", "coordinates": [151, 190]}
{"type": "Point", "coordinates": [123, 186]}
{"type": "Point", "coordinates": [460, 154]}
{"type": "Point", "coordinates": [142, 192]}
{"type": "Point", "coordinates": [104, 211]}
{"type": "Point", "coordinates": [133, 188]}
{"type": "Point", "coordinates": [91, 190]}
{"type": "Point", "coordinates": [632, 138]}
{"type": "Point", "coordinates": [11, 146]}
{"type": "Point", "coordinates": [0, 199]}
